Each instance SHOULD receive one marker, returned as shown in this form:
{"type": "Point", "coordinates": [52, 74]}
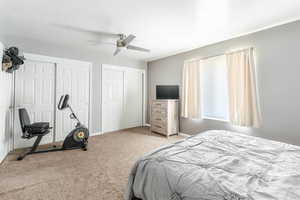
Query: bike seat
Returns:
{"type": "Point", "coordinates": [37, 128]}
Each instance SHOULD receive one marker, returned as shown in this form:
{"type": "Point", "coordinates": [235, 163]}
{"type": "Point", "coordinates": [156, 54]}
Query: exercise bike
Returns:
{"type": "Point", "coordinates": [76, 139]}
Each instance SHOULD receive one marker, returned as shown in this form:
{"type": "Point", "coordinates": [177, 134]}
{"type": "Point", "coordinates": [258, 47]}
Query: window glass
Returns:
{"type": "Point", "coordinates": [214, 86]}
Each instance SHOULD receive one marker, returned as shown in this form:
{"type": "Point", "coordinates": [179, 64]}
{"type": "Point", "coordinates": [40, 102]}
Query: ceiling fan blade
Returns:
{"type": "Point", "coordinates": [78, 29]}
{"type": "Point", "coordinates": [137, 48]}
{"type": "Point", "coordinates": [117, 51]}
{"type": "Point", "coordinates": [129, 39]}
{"type": "Point", "coordinates": [97, 42]}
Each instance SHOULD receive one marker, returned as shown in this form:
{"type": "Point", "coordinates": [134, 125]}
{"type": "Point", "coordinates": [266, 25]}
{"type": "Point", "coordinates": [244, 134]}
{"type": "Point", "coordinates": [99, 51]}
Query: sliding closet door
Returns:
{"type": "Point", "coordinates": [34, 90]}
{"type": "Point", "coordinates": [122, 98]}
{"type": "Point", "coordinates": [112, 99]}
{"type": "Point", "coordinates": [133, 98]}
{"type": "Point", "coordinates": [72, 79]}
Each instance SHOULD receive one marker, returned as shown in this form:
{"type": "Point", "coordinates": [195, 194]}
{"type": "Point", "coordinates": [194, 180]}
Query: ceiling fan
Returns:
{"type": "Point", "coordinates": [124, 42]}
{"type": "Point", "coordinates": [121, 43]}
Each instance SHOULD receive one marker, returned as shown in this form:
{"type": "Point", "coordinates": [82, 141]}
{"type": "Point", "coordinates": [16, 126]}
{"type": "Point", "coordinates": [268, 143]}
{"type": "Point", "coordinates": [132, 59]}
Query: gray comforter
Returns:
{"type": "Point", "coordinates": [218, 165]}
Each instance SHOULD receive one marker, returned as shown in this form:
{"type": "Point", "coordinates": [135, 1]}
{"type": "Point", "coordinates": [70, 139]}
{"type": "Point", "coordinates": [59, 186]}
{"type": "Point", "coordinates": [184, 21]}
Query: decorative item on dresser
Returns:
{"type": "Point", "coordinates": [164, 117]}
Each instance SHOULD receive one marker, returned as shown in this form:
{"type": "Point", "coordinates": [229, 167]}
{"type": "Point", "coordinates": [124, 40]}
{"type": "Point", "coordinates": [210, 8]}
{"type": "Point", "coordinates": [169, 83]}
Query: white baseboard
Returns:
{"type": "Point", "coordinates": [104, 133]}
{"type": "Point", "coordinates": [147, 125]}
{"type": "Point", "coordinates": [3, 158]}
{"type": "Point", "coordinates": [94, 134]}
{"type": "Point", "coordinates": [101, 133]}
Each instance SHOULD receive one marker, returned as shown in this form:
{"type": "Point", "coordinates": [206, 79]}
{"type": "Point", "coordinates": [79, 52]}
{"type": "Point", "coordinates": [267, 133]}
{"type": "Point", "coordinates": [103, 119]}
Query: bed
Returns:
{"type": "Point", "coordinates": [218, 165]}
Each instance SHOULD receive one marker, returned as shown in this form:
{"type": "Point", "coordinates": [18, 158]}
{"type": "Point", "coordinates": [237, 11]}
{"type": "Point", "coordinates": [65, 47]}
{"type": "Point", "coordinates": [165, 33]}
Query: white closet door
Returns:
{"type": "Point", "coordinates": [72, 79]}
{"type": "Point", "coordinates": [5, 112]}
{"type": "Point", "coordinates": [34, 90]}
{"type": "Point", "coordinates": [112, 99]}
{"type": "Point", "coordinates": [122, 98]}
{"type": "Point", "coordinates": [133, 99]}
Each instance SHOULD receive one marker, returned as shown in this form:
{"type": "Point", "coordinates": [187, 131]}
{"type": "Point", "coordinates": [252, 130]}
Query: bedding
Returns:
{"type": "Point", "coordinates": [218, 165]}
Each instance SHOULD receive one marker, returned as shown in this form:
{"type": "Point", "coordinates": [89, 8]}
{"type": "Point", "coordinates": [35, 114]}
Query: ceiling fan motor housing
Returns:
{"type": "Point", "coordinates": [120, 43]}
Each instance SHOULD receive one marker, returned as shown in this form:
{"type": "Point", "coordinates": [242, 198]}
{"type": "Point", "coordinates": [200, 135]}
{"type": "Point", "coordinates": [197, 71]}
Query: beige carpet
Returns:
{"type": "Point", "coordinates": [98, 174]}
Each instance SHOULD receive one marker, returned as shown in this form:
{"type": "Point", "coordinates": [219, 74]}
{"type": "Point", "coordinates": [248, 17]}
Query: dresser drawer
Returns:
{"type": "Point", "coordinates": [159, 118]}
{"type": "Point", "coordinates": [159, 121]}
{"type": "Point", "coordinates": [159, 114]}
{"type": "Point", "coordinates": [159, 129]}
{"type": "Point", "coordinates": [159, 105]}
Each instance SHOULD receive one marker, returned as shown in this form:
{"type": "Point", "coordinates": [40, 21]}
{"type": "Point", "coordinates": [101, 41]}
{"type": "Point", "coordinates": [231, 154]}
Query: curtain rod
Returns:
{"type": "Point", "coordinates": [216, 55]}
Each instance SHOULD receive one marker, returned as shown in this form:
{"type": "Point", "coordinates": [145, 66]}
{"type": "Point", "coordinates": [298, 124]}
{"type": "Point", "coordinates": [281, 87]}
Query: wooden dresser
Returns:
{"type": "Point", "coordinates": [164, 117]}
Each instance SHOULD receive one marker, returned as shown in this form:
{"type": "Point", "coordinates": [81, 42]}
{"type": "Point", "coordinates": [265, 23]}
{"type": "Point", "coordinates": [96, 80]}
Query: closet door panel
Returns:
{"type": "Point", "coordinates": [34, 90]}
{"type": "Point", "coordinates": [73, 80]}
{"type": "Point", "coordinates": [122, 98]}
{"type": "Point", "coordinates": [133, 99]}
{"type": "Point", "coordinates": [112, 99]}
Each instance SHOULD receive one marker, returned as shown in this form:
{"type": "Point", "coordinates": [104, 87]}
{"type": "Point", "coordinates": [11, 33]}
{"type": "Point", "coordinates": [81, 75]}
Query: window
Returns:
{"type": "Point", "coordinates": [214, 88]}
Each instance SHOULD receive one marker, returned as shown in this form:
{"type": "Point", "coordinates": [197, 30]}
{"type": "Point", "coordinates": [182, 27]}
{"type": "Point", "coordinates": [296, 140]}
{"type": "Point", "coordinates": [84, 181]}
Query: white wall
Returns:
{"type": "Point", "coordinates": [29, 45]}
{"type": "Point", "coordinates": [278, 68]}
{"type": "Point", "coordinates": [5, 101]}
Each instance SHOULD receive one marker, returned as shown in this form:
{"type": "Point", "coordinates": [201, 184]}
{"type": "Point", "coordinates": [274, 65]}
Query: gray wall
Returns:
{"type": "Point", "coordinates": [97, 58]}
{"type": "Point", "coordinates": [278, 68]}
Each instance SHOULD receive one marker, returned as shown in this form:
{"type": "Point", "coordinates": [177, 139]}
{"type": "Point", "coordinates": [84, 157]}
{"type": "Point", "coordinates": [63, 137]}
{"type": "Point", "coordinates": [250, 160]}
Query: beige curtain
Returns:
{"type": "Point", "coordinates": [243, 98]}
{"type": "Point", "coordinates": [191, 90]}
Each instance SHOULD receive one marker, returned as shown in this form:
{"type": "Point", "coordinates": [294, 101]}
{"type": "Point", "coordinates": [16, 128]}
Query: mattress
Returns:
{"type": "Point", "coordinates": [218, 165]}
